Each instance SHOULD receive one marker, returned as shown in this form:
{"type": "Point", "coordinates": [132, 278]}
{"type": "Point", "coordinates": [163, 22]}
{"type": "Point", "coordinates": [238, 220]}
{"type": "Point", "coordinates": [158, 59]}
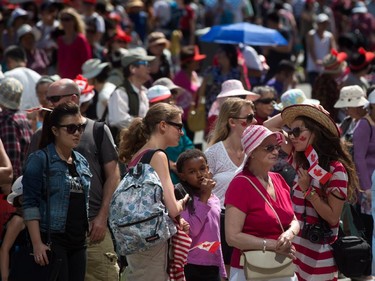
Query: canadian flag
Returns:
{"type": "Point", "coordinates": [315, 170]}
{"type": "Point", "coordinates": [311, 155]}
{"type": "Point", "coordinates": [207, 246]}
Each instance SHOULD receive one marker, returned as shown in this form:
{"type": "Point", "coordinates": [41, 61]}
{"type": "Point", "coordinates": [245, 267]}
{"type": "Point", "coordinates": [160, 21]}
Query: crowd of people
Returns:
{"type": "Point", "coordinates": [88, 87]}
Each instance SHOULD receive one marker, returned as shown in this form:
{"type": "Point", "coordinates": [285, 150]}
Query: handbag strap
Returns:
{"type": "Point", "coordinates": [48, 203]}
{"type": "Point", "coordinates": [265, 199]}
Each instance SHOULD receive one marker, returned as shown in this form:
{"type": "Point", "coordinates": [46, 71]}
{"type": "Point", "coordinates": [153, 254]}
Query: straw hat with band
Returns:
{"type": "Point", "coordinates": [290, 113]}
{"type": "Point", "coordinates": [157, 38]}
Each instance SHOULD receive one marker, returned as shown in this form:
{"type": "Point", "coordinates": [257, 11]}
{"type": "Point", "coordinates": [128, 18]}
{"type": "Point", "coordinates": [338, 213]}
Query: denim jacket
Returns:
{"type": "Point", "coordinates": [34, 190]}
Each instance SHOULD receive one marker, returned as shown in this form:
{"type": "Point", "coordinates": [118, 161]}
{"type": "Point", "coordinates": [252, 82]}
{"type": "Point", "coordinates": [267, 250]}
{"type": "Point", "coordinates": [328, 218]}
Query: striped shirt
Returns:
{"type": "Point", "coordinates": [315, 261]}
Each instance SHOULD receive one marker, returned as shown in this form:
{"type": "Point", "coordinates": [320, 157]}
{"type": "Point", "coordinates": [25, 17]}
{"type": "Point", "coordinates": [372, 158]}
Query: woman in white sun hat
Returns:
{"type": "Point", "coordinates": [325, 180]}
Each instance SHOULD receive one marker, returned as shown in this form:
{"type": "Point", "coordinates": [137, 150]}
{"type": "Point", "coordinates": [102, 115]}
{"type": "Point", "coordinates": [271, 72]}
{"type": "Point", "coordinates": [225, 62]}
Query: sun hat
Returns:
{"type": "Point", "coordinates": [10, 93]}
{"type": "Point", "coordinates": [18, 12]}
{"type": "Point", "coordinates": [27, 29]}
{"type": "Point", "coordinates": [290, 113]}
{"type": "Point", "coordinates": [294, 96]}
{"type": "Point", "coordinates": [361, 60]}
{"type": "Point", "coordinates": [134, 4]}
{"type": "Point", "coordinates": [92, 68]}
{"type": "Point", "coordinates": [359, 8]}
{"type": "Point", "coordinates": [17, 190]}
{"type": "Point", "coordinates": [322, 18]}
{"type": "Point", "coordinates": [254, 135]}
{"type": "Point", "coordinates": [334, 63]}
{"type": "Point", "coordinates": [191, 53]}
{"type": "Point", "coordinates": [158, 93]}
{"type": "Point", "coordinates": [234, 88]}
{"type": "Point", "coordinates": [134, 55]}
{"type": "Point", "coordinates": [351, 96]}
{"type": "Point", "coordinates": [157, 38]}
{"type": "Point", "coordinates": [165, 81]}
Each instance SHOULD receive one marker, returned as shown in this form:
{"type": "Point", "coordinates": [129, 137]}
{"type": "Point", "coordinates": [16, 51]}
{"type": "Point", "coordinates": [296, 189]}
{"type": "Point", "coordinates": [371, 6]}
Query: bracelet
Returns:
{"type": "Point", "coordinates": [264, 245]}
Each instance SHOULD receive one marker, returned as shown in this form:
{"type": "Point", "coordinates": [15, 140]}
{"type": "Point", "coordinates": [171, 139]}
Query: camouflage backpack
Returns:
{"type": "Point", "coordinates": [138, 217]}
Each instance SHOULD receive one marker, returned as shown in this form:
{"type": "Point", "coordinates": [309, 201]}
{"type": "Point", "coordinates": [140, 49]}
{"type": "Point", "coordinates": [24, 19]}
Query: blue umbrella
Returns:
{"type": "Point", "coordinates": [247, 33]}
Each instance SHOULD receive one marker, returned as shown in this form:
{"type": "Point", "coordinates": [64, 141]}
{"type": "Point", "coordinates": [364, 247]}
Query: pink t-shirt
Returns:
{"type": "Point", "coordinates": [260, 220]}
{"type": "Point", "coordinates": [71, 57]}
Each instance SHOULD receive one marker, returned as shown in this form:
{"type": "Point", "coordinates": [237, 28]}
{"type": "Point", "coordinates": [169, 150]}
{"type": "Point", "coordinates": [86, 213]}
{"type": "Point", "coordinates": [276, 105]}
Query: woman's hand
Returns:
{"type": "Point", "coordinates": [284, 242]}
{"type": "Point", "coordinates": [40, 254]}
{"type": "Point", "coordinates": [304, 179]}
{"type": "Point", "coordinates": [289, 252]}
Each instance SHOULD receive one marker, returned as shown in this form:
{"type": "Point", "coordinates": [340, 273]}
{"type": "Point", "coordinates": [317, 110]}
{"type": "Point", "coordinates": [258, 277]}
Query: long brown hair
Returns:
{"type": "Point", "coordinates": [329, 148]}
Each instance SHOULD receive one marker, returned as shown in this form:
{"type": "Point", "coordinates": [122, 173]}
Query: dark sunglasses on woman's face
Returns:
{"type": "Point", "coordinates": [266, 101]}
{"type": "Point", "coordinates": [249, 118]}
{"type": "Point", "coordinates": [296, 132]}
{"type": "Point", "coordinates": [73, 128]}
{"type": "Point", "coordinates": [270, 148]}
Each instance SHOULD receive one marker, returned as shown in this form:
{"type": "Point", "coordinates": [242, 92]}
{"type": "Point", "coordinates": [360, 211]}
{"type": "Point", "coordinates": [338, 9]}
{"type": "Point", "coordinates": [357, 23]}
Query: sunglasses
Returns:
{"type": "Point", "coordinates": [249, 118]}
{"type": "Point", "coordinates": [142, 62]}
{"type": "Point", "coordinates": [296, 132]}
{"type": "Point", "coordinates": [270, 148]}
{"type": "Point", "coordinates": [55, 99]}
{"type": "Point", "coordinates": [178, 126]}
{"type": "Point", "coordinates": [73, 128]}
{"type": "Point", "coordinates": [266, 101]}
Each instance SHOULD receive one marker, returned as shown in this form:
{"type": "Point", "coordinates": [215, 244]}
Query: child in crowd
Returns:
{"type": "Point", "coordinates": [203, 214]}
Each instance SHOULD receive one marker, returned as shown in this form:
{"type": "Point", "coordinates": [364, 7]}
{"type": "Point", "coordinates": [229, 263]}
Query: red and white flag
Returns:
{"type": "Point", "coordinates": [315, 170]}
{"type": "Point", "coordinates": [208, 246]}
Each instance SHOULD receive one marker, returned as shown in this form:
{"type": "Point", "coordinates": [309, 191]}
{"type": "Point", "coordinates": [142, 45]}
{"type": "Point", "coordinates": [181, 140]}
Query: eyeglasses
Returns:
{"type": "Point", "coordinates": [296, 132]}
{"type": "Point", "coordinates": [73, 128]}
{"type": "Point", "coordinates": [142, 62]}
{"type": "Point", "coordinates": [55, 99]}
{"type": "Point", "coordinates": [266, 101]}
{"type": "Point", "coordinates": [249, 118]}
{"type": "Point", "coordinates": [176, 125]}
{"type": "Point", "coordinates": [270, 148]}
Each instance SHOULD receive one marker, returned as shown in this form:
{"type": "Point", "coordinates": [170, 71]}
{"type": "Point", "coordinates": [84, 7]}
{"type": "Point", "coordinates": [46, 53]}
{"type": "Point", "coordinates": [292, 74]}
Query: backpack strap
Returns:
{"type": "Point", "coordinates": [98, 134]}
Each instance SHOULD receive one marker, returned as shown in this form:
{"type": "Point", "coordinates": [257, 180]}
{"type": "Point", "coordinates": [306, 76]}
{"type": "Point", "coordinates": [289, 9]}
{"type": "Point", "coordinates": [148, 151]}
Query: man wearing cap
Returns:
{"type": "Point", "coordinates": [15, 59]}
{"type": "Point", "coordinates": [130, 100]}
{"type": "Point", "coordinates": [97, 73]}
{"type": "Point", "coordinates": [98, 148]}
{"type": "Point", "coordinates": [319, 42]}
{"type": "Point", "coordinates": [15, 129]}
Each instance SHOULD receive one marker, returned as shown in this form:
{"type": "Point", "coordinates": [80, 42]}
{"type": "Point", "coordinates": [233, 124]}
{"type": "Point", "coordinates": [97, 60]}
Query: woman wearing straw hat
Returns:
{"type": "Point", "coordinates": [325, 180]}
{"type": "Point", "coordinates": [250, 224]}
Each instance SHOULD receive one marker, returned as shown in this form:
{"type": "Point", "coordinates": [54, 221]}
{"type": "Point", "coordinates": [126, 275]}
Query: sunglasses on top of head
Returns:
{"type": "Point", "coordinates": [249, 118]}
{"type": "Point", "coordinates": [296, 132]}
{"type": "Point", "coordinates": [73, 128]}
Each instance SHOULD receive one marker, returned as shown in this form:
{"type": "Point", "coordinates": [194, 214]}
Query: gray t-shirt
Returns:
{"type": "Point", "coordinates": [87, 148]}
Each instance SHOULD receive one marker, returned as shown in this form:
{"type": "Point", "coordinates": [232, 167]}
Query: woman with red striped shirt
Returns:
{"type": "Point", "coordinates": [325, 180]}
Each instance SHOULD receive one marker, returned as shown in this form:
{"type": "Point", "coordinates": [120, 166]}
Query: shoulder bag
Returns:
{"type": "Point", "coordinates": [196, 119]}
{"type": "Point", "coordinates": [258, 264]}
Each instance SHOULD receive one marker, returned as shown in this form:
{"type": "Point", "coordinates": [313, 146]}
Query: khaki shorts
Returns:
{"type": "Point", "coordinates": [102, 261]}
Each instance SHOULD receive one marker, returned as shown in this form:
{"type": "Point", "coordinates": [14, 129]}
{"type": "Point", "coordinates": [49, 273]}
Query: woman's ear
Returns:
{"type": "Point", "coordinates": [54, 130]}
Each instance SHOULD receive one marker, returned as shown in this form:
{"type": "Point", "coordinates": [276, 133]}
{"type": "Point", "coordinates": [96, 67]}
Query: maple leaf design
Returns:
{"type": "Point", "coordinates": [302, 138]}
{"type": "Point", "coordinates": [318, 172]}
{"type": "Point", "coordinates": [313, 158]}
{"type": "Point", "coordinates": [206, 245]}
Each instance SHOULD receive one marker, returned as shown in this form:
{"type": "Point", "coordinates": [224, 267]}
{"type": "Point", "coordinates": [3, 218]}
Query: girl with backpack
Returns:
{"type": "Point", "coordinates": [159, 129]}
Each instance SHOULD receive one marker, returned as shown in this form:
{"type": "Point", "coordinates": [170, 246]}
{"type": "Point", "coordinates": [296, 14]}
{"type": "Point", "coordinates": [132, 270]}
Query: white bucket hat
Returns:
{"type": "Point", "coordinates": [92, 67]}
{"type": "Point", "coordinates": [234, 88]}
{"type": "Point", "coordinates": [26, 29]}
{"type": "Point", "coordinates": [351, 96]}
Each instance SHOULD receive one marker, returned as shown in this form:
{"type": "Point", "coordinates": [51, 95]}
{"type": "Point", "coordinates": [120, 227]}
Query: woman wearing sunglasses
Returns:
{"type": "Point", "coordinates": [325, 180]}
{"type": "Point", "coordinates": [264, 106]}
{"type": "Point", "coordinates": [250, 223]}
{"type": "Point", "coordinates": [225, 153]}
{"type": "Point", "coordinates": [68, 181]}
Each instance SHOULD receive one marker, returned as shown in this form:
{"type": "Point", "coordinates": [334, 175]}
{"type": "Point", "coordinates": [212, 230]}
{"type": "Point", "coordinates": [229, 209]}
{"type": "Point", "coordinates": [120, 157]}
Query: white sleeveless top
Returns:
{"type": "Point", "coordinates": [322, 47]}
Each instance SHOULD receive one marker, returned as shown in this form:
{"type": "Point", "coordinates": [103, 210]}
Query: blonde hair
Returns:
{"type": "Point", "coordinates": [133, 138]}
{"type": "Point", "coordinates": [230, 108]}
{"type": "Point", "coordinates": [79, 24]}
